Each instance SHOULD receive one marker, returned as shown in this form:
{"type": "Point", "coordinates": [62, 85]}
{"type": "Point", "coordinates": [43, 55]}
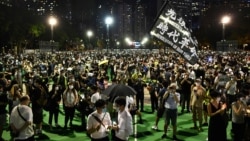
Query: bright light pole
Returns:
{"type": "Point", "coordinates": [225, 20]}
{"type": "Point", "coordinates": [52, 22]}
{"type": "Point", "coordinates": [108, 21]}
{"type": "Point", "coordinates": [89, 34]}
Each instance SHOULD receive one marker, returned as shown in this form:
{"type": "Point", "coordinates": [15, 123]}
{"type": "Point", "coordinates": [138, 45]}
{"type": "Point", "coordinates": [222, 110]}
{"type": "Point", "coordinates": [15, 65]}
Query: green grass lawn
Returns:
{"type": "Point", "coordinates": [143, 131]}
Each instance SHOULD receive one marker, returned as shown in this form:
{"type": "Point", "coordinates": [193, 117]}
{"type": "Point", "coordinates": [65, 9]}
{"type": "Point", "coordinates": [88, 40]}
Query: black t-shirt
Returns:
{"type": "Point", "coordinates": [3, 99]}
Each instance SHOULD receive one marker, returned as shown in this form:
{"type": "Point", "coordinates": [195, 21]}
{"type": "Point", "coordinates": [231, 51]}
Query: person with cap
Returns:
{"type": "Point", "coordinates": [99, 122]}
{"type": "Point", "coordinates": [171, 100]}
{"type": "Point", "coordinates": [238, 117]}
{"type": "Point", "coordinates": [198, 93]}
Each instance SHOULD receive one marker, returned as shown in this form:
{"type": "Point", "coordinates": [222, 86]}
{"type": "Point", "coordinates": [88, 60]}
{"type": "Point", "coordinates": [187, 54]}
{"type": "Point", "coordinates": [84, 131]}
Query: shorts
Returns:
{"type": "Point", "coordinates": [171, 115]}
{"type": "Point", "coordinates": [3, 119]}
{"type": "Point", "coordinates": [160, 112]}
{"type": "Point", "coordinates": [37, 115]}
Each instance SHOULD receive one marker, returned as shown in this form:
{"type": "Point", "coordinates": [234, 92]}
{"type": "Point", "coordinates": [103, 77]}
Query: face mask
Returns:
{"type": "Point", "coordinates": [104, 110]}
{"type": "Point", "coordinates": [218, 99]}
{"type": "Point", "coordinates": [117, 109]}
{"type": "Point", "coordinates": [204, 83]}
{"type": "Point", "coordinates": [247, 98]}
{"type": "Point", "coordinates": [56, 88]}
{"type": "Point", "coordinates": [241, 99]}
{"type": "Point", "coordinates": [71, 86]}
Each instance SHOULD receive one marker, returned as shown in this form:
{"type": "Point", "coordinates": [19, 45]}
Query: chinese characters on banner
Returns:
{"type": "Point", "coordinates": [171, 29]}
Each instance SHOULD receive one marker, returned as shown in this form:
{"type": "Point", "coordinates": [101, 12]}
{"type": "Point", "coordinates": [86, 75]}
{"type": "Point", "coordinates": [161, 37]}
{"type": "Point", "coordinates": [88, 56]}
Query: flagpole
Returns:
{"type": "Point", "coordinates": [159, 13]}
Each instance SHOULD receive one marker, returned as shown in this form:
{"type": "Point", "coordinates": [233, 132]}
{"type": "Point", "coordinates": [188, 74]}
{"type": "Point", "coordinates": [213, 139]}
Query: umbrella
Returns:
{"type": "Point", "coordinates": [116, 90]}
{"type": "Point", "coordinates": [103, 62]}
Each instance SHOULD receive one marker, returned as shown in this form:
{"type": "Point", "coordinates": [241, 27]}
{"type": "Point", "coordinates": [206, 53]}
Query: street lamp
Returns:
{"type": "Point", "coordinates": [89, 34]}
{"type": "Point", "coordinates": [108, 21]}
{"type": "Point", "coordinates": [52, 22]}
{"type": "Point", "coordinates": [225, 20]}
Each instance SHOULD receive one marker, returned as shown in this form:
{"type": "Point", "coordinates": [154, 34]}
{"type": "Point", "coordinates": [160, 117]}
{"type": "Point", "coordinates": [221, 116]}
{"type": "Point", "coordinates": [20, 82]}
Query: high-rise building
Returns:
{"type": "Point", "coordinates": [132, 19]}
{"type": "Point", "coordinates": [190, 10]}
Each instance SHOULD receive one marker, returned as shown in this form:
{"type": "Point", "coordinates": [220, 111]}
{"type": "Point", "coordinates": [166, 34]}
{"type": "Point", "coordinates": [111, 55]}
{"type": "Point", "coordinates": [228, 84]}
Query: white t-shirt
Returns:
{"type": "Point", "coordinates": [96, 96]}
{"type": "Point", "coordinates": [18, 122]}
{"type": "Point", "coordinates": [125, 125]}
{"type": "Point", "coordinates": [92, 123]}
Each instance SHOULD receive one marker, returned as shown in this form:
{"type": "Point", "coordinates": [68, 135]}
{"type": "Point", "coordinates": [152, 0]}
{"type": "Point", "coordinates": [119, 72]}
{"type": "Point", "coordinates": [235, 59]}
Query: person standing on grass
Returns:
{"type": "Point", "coordinates": [238, 117]}
{"type": "Point", "coordinates": [38, 99]}
{"type": "Point", "coordinates": [54, 101]}
{"type": "Point", "coordinates": [3, 111]}
{"type": "Point", "coordinates": [186, 84]}
{"type": "Point", "coordinates": [172, 99]}
{"type": "Point", "coordinates": [217, 124]}
{"type": "Point", "coordinates": [18, 124]}
{"type": "Point", "coordinates": [70, 99]}
{"type": "Point", "coordinates": [124, 127]}
{"type": "Point", "coordinates": [206, 101]}
{"type": "Point", "coordinates": [196, 102]}
{"type": "Point", "coordinates": [161, 109]}
{"type": "Point", "coordinates": [99, 122]}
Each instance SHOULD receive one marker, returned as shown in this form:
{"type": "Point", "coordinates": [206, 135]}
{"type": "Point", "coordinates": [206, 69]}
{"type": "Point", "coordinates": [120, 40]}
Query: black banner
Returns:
{"type": "Point", "coordinates": [171, 29]}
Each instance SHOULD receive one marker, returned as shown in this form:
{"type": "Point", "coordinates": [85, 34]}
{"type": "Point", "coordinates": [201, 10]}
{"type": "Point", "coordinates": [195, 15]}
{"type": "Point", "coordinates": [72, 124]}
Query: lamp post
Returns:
{"type": "Point", "coordinates": [89, 34]}
{"type": "Point", "coordinates": [52, 22]}
{"type": "Point", "coordinates": [108, 21]}
{"type": "Point", "coordinates": [225, 20]}
{"type": "Point", "coordinates": [117, 46]}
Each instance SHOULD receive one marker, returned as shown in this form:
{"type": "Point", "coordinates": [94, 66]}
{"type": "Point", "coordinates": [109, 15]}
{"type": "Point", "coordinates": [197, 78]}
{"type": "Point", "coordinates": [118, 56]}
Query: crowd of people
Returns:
{"type": "Point", "coordinates": [216, 87]}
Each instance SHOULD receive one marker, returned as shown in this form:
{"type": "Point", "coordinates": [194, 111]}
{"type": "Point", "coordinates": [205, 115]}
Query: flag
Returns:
{"type": "Point", "coordinates": [171, 29]}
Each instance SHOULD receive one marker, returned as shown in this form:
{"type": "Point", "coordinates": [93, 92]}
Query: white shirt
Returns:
{"type": "Point", "coordinates": [170, 102]}
{"type": "Point", "coordinates": [129, 100]}
{"type": "Point", "coordinates": [70, 98]}
{"type": "Point", "coordinates": [92, 123]}
{"type": "Point", "coordinates": [125, 125]}
{"type": "Point", "coordinates": [232, 87]}
{"type": "Point", "coordinates": [18, 122]}
{"type": "Point", "coordinates": [96, 96]}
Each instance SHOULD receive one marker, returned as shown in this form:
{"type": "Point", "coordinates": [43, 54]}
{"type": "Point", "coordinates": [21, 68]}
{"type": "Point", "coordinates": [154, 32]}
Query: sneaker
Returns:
{"type": "Point", "coordinates": [205, 124]}
{"type": "Point", "coordinates": [195, 128]}
{"type": "Point", "coordinates": [154, 127]}
{"type": "Point", "coordinates": [164, 136]}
